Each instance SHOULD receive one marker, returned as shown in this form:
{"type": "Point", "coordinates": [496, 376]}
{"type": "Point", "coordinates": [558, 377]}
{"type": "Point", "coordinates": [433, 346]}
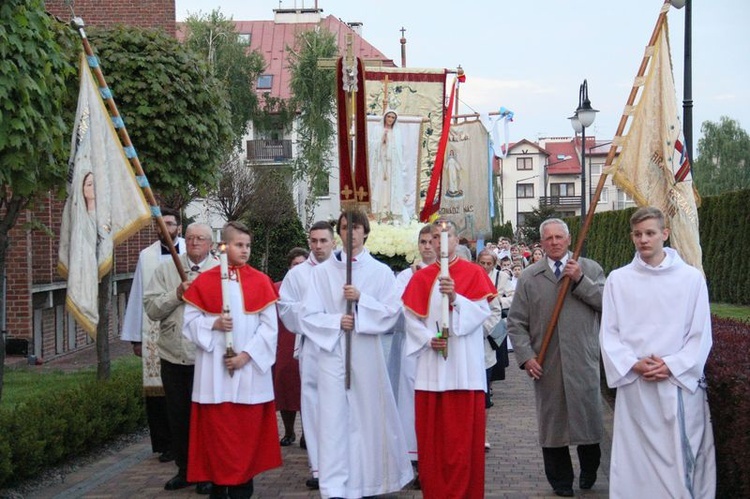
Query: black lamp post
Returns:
{"type": "Point", "coordinates": [583, 117]}
{"type": "Point", "coordinates": [687, 84]}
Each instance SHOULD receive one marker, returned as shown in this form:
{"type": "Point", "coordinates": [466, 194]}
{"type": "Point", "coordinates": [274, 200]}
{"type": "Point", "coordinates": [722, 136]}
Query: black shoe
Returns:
{"type": "Point", "coordinates": [587, 480]}
{"type": "Point", "coordinates": [177, 482]}
{"type": "Point", "coordinates": [287, 440]}
{"type": "Point", "coordinates": [564, 492]}
{"type": "Point", "coordinates": [302, 442]}
{"type": "Point", "coordinates": [312, 483]}
{"type": "Point", "coordinates": [166, 457]}
{"type": "Point", "coordinates": [204, 488]}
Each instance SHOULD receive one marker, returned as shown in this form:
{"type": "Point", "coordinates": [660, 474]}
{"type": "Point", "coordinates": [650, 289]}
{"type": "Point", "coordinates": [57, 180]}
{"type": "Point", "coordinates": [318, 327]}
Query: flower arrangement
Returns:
{"type": "Point", "coordinates": [393, 240]}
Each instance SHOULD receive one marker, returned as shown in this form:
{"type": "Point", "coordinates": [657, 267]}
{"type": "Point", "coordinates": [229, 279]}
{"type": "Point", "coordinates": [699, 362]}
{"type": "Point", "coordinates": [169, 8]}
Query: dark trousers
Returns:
{"type": "Point", "coordinates": [158, 424]}
{"type": "Point", "coordinates": [559, 468]}
{"type": "Point", "coordinates": [178, 389]}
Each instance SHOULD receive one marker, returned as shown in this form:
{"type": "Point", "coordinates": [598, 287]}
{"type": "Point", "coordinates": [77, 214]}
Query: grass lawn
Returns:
{"type": "Point", "coordinates": [728, 311]}
{"type": "Point", "coordinates": [23, 384]}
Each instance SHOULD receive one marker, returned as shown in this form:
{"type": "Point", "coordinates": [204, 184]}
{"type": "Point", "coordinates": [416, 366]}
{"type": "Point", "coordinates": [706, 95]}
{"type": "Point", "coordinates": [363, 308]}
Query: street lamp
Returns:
{"type": "Point", "coordinates": [518, 182]}
{"type": "Point", "coordinates": [583, 117]}
{"type": "Point", "coordinates": [687, 84]}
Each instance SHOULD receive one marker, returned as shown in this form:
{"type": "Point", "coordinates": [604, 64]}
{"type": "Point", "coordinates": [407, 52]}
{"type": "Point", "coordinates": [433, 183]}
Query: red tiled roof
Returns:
{"type": "Point", "coordinates": [272, 41]}
{"type": "Point", "coordinates": [557, 150]}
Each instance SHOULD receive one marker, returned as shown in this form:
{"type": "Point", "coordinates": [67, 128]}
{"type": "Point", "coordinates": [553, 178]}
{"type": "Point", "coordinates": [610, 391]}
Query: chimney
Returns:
{"type": "Point", "coordinates": [356, 26]}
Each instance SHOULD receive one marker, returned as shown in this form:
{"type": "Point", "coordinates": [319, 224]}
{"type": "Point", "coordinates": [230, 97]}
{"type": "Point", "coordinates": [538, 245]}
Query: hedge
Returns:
{"type": "Point", "coordinates": [47, 431]}
{"type": "Point", "coordinates": [725, 240]}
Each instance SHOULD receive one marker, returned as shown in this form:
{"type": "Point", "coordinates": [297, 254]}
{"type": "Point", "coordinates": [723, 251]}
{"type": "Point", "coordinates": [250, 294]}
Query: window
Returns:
{"type": "Point", "coordinates": [522, 218]}
{"type": "Point", "coordinates": [244, 38]}
{"type": "Point", "coordinates": [524, 164]}
{"type": "Point", "coordinates": [265, 81]}
{"type": "Point", "coordinates": [559, 189]}
{"type": "Point", "coordinates": [623, 197]}
{"type": "Point", "coordinates": [595, 168]}
{"type": "Point", "coordinates": [525, 190]}
{"type": "Point", "coordinates": [604, 197]}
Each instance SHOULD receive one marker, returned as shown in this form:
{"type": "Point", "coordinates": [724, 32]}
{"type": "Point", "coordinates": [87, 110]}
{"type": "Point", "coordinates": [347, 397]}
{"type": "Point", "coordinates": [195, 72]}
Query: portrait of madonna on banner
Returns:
{"type": "Point", "coordinates": [393, 152]}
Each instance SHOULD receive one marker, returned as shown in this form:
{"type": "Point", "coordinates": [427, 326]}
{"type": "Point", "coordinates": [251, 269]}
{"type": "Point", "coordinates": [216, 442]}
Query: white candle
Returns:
{"type": "Point", "coordinates": [444, 273]}
{"type": "Point", "coordinates": [225, 289]}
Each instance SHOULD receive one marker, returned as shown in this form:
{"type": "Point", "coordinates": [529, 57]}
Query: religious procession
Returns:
{"type": "Point", "coordinates": [397, 313]}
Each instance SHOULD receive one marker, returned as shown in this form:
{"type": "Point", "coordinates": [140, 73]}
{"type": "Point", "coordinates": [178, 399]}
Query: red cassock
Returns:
{"type": "Point", "coordinates": [286, 378]}
{"type": "Point", "coordinates": [230, 443]}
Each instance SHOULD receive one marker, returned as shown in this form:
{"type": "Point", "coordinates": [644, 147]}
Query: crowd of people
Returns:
{"type": "Point", "coordinates": [393, 374]}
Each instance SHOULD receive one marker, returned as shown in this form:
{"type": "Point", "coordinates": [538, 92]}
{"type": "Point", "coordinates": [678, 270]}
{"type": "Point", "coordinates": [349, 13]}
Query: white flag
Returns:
{"type": "Point", "coordinates": [651, 166]}
{"type": "Point", "coordinates": [104, 206]}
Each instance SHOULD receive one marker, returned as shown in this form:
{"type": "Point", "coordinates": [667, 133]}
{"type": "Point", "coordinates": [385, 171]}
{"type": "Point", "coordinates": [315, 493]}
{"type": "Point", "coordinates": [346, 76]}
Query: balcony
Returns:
{"type": "Point", "coordinates": [269, 151]}
{"type": "Point", "coordinates": [560, 201]}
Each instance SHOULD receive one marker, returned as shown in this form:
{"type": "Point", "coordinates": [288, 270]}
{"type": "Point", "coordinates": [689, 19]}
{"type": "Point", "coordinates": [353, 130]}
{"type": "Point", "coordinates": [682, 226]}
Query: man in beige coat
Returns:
{"type": "Point", "coordinates": [568, 400]}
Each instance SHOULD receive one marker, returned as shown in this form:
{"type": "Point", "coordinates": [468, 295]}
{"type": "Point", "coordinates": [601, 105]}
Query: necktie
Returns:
{"type": "Point", "coordinates": [194, 268]}
{"type": "Point", "coordinates": [558, 264]}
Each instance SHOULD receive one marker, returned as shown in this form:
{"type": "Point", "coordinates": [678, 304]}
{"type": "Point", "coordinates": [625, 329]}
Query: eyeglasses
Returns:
{"type": "Point", "coordinates": [200, 239]}
{"type": "Point", "coordinates": [171, 224]}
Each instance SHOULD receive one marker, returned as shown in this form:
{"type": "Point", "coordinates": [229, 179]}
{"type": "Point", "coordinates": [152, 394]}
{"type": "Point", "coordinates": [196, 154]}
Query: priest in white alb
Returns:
{"type": "Point", "coordinates": [655, 338]}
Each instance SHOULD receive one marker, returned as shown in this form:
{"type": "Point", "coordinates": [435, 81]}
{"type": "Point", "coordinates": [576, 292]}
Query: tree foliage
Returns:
{"type": "Point", "coordinates": [723, 159]}
{"type": "Point", "coordinates": [215, 38]}
{"type": "Point", "coordinates": [37, 74]}
{"type": "Point", "coordinates": [529, 231]}
{"type": "Point", "coordinates": [274, 222]}
{"type": "Point", "coordinates": [176, 112]}
{"type": "Point", "coordinates": [314, 90]}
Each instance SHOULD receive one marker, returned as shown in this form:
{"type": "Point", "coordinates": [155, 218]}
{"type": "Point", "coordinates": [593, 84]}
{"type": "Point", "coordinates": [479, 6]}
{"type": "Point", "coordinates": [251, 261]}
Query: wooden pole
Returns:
{"type": "Point", "coordinates": [78, 25]}
{"type": "Point", "coordinates": [600, 186]}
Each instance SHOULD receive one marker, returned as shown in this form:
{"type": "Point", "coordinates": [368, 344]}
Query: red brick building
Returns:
{"type": "Point", "coordinates": [34, 315]}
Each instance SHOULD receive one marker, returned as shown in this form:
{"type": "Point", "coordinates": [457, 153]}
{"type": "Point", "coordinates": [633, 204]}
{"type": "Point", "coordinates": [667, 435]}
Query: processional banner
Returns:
{"type": "Point", "coordinates": [466, 176]}
{"type": "Point", "coordinates": [407, 150]}
{"type": "Point", "coordinates": [651, 167]}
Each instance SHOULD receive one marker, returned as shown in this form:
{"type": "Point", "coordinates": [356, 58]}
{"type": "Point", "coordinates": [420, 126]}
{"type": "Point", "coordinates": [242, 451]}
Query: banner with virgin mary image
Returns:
{"type": "Point", "coordinates": [466, 180]}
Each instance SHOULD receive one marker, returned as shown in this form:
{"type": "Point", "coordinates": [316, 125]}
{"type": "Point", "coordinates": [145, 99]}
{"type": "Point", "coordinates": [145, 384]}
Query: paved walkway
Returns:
{"type": "Point", "coordinates": [513, 466]}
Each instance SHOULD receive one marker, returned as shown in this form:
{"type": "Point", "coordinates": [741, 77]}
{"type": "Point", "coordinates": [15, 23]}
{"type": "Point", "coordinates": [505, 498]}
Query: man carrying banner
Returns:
{"type": "Point", "coordinates": [568, 402]}
{"type": "Point", "coordinates": [143, 333]}
{"type": "Point", "coordinates": [655, 337]}
{"type": "Point", "coordinates": [361, 450]}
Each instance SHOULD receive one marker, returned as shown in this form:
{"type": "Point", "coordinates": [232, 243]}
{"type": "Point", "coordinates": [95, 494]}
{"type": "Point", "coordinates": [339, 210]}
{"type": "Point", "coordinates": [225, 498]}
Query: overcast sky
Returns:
{"type": "Point", "coordinates": [531, 56]}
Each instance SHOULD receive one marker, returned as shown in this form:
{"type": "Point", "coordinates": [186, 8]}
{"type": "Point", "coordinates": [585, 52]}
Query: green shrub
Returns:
{"type": "Point", "coordinates": [45, 431]}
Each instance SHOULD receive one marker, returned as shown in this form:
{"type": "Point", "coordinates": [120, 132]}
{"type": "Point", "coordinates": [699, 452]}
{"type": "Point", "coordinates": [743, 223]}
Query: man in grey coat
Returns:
{"type": "Point", "coordinates": [568, 400]}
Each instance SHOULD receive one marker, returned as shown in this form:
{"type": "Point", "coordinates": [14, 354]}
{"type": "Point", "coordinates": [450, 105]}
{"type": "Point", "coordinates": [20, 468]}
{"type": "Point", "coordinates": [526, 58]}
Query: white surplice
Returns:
{"type": "Point", "coordinates": [663, 442]}
{"type": "Point", "coordinates": [464, 367]}
{"type": "Point", "coordinates": [254, 333]}
{"type": "Point", "coordinates": [361, 444]}
{"type": "Point", "coordinates": [291, 293]}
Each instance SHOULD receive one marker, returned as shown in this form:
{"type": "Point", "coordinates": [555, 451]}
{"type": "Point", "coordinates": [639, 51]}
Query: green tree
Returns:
{"type": "Point", "coordinates": [176, 112]}
{"type": "Point", "coordinates": [314, 90]}
{"type": "Point", "coordinates": [723, 159]}
{"type": "Point", "coordinates": [529, 231]}
{"type": "Point", "coordinates": [215, 38]}
{"type": "Point", "coordinates": [37, 74]}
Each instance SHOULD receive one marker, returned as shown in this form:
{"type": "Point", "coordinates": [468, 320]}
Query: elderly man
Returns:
{"type": "Point", "coordinates": [568, 401]}
{"type": "Point", "coordinates": [143, 333]}
{"type": "Point", "coordinates": [163, 303]}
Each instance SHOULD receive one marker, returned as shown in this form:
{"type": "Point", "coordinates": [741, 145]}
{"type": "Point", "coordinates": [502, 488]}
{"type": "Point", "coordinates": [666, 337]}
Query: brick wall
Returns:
{"type": "Point", "coordinates": [145, 13]}
{"type": "Point", "coordinates": [35, 292]}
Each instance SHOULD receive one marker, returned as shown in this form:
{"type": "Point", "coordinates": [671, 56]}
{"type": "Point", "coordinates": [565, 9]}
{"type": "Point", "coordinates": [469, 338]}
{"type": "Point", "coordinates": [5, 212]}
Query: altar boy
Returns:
{"type": "Point", "coordinates": [233, 434]}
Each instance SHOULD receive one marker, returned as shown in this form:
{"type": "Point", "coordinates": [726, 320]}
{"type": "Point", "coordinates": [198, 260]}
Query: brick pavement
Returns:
{"type": "Point", "coordinates": [513, 467]}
